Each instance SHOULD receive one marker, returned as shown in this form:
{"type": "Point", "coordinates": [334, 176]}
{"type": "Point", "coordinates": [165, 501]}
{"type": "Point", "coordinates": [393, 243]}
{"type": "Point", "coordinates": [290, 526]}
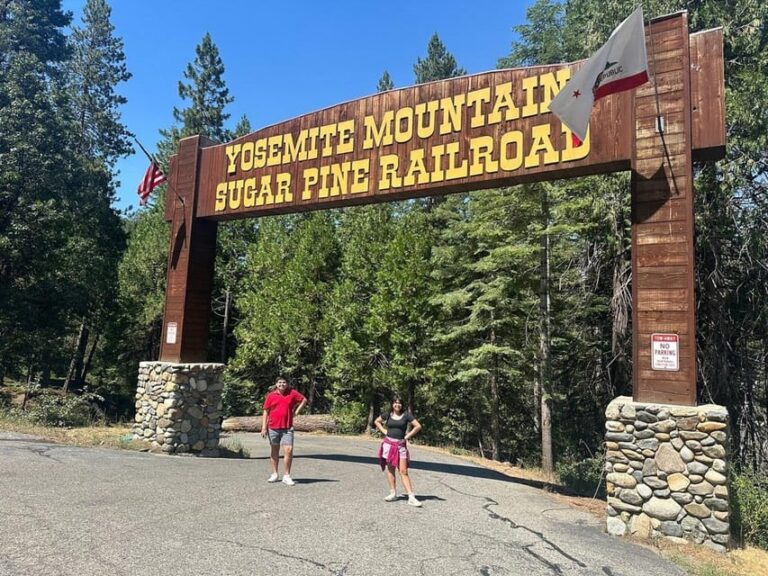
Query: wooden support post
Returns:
{"type": "Point", "coordinates": [190, 260]}
{"type": "Point", "coordinates": [662, 217]}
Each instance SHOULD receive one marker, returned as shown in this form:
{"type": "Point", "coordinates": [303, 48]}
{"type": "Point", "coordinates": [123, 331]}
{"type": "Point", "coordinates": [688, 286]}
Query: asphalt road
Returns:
{"type": "Point", "coordinates": [84, 511]}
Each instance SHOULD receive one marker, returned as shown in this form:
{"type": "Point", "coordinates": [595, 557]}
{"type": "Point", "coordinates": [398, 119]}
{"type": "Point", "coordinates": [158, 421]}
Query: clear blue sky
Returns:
{"type": "Point", "coordinates": [285, 59]}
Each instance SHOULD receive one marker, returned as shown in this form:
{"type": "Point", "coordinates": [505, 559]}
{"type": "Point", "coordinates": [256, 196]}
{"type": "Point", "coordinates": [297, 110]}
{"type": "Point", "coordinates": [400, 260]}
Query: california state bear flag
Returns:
{"type": "Point", "coordinates": [621, 64]}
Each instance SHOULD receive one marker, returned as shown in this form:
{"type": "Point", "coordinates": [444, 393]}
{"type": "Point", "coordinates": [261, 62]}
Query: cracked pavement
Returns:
{"type": "Point", "coordinates": [66, 510]}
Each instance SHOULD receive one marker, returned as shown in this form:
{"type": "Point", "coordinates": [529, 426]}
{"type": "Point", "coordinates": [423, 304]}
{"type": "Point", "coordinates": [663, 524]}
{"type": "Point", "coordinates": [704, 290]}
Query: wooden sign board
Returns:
{"type": "Point", "coordinates": [475, 132]}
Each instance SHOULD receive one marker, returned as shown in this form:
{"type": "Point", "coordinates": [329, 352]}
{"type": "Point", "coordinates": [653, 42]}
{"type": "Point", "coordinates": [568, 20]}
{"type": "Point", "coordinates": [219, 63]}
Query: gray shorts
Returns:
{"type": "Point", "coordinates": [281, 436]}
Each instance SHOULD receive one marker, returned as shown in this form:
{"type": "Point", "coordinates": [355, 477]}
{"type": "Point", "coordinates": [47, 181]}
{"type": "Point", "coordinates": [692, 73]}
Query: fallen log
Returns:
{"type": "Point", "coordinates": [304, 423]}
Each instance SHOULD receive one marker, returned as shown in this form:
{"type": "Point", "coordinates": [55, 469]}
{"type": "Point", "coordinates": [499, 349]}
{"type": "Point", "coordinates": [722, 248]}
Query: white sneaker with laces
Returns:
{"type": "Point", "coordinates": [413, 501]}
{"type": "Point", "coordinates": [391, 497]}
{"type": "Point", "coordinates": [287, 480]}
{"type": "Point", "coordinates": [272, 478]}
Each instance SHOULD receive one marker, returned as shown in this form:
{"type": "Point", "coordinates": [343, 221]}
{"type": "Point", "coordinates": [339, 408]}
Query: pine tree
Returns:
{"type": "Point", "coordinates": [97, 67]}
{"type": "Point", "coordinates": [385, 83]}
{"type": "Point", "coordinates": [438, 65]}
{"type": "Point", "coordinates": [37, 171]}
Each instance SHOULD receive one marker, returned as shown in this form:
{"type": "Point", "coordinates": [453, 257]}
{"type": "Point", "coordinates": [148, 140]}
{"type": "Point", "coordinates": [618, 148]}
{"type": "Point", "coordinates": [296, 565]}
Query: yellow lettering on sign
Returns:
{"type": "Point", "coordinates": [425, 118]}
{"type": "Point", "coordinates": [481, 154]}
{"type": "Point", "coordinates": [311, 176]}
{"type": "Point", "coordinates": [455, 169]}
{"type": "Point", "coordinates": [380, 135]}
{"type": "Point", "coordinates": [274, 150]}
{"type": "Point", "coordinates": [388, 177]}
{"type": "Point", "coordinates": [265, 196]}
{"type": "Point", "coordinates": [475, 100]}
{"type": "Point", "coordinates": [221, 197]}
{"type": "Point", "coordinates": [503, 102]}
{"type": "Point", "coordinates": [260, 153]}
{"type": "Point", "coordinates": [452, 108]}
{"type": "Point", "coordinates": [232, 151]}
{"type": "Point", "coordinates": [346, 137]}
{"type": "Point", "coordinates": [551, 85]}
{"type": "Point", "coordinates": [295, 148]}
{"type": "Point", "coordinates": [541, 142]}
{"type": "Point", "coordinates": [249, 193]}
{"type": "Point", "coordinates": [571, 152]}
{"type": "Point", "coordinates": [508, 160]}
{"type": "Point", "coordinates": [417, 169]}
{"type": "Point", "coordinates": [404, 125]}
{"type": "Point", "coordinates": [246, 157]}
{"type": "Point", "coordinates": [284, 194]}
{"type": "Point", "coordinates": [360, 172]}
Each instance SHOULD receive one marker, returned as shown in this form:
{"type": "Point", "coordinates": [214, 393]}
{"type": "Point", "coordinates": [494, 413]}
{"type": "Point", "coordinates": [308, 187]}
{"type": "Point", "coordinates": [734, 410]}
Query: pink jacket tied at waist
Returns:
{"type": "Point", "coordinates": [392, 457]}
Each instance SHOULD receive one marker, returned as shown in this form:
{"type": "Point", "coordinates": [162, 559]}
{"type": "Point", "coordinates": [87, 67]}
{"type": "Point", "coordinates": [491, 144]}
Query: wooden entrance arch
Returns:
{"type": "Point", "coordinates": [475, 132]}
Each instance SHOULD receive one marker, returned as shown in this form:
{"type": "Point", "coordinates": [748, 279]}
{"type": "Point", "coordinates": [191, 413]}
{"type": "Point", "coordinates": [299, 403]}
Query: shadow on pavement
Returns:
{"type": "Point", "coordinates": [458, 469]}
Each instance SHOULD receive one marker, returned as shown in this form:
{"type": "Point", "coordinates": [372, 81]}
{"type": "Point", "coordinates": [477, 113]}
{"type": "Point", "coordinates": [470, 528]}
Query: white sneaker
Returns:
{"type": "Point", "coordinates": [391, 497]}
{"type": "Point", "coordinates": [287, 480]}
{"type": "Point", "coordinates": [272, 478]}
{"type": "Point", "coordinates": [413, 501]}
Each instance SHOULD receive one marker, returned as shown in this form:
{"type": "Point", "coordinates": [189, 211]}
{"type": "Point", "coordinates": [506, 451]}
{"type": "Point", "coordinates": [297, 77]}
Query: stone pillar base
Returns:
{"type": "Point", "coordinates": [178, 407]}
{"type": "Point", "coordinates": [667, 471]}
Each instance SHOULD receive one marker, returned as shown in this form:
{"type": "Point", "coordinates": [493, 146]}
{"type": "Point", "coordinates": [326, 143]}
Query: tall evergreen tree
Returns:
{"type": "Point", "coordinates": [385, 83]}
{"type": "Point", "coordinates": [97, 67]}
{"type": "Point", "coordinates": [438, 65]}
{"type": "Point", "coordinates": [36, 172]}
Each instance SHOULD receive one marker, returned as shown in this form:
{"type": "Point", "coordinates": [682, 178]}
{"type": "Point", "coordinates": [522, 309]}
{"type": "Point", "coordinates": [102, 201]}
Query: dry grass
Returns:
{"type": "Point", "coordinates": [118, 436]}
{"type": "Point", "coordinates": [700, 561]}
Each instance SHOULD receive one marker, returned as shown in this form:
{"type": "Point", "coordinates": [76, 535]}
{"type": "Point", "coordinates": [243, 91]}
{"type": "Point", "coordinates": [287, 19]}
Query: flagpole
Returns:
{"type": "Point", "coordinates": [152, 159]}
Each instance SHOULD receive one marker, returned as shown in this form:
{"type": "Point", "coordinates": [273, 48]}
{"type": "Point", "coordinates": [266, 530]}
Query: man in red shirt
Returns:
{"type": "Point", "coordinates": [280, 407]}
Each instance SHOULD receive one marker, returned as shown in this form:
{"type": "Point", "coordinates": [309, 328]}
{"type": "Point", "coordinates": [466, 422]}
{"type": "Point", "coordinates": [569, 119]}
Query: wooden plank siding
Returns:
{"type": "Point", "coordinates": [190, 260]}
{"type": "Point", "coordinates": [662, 216]}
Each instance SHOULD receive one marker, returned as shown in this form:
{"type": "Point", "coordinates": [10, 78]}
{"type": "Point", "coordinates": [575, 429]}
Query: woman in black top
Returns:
{"type": "Point", "coordinates": [393, 452]}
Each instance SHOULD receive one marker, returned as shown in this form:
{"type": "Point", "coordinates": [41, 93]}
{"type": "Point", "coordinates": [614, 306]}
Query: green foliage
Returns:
{"type": "Point", "coordinates": [582, 476]}
{"type": "Point", "coordinates": [350, 416]}
{"type": "Point", "coordinates": [385, 83]}
{"type": "Point", "coordinates": [50, 408]}
{"type": "Point", "coordinates": [749, 497]}
{"type": "Point", "coordinates": [438, 65]}
{"type": "Point", "coordinates": [242, 397]}
{"type": "Point", "coordinates": [207, 93]}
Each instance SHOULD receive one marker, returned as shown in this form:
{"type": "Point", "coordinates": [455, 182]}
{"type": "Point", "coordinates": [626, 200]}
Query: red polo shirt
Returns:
{"type": "Point", "coordinates": [280, 408]}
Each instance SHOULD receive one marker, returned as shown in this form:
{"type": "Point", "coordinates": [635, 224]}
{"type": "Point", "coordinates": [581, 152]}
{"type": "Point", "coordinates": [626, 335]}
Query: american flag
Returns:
{"type": "Point", "coordinates": [152, 178]}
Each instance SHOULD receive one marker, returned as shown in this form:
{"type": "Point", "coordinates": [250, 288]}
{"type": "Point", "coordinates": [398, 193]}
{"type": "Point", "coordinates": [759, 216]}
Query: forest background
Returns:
{"type": "Point", "coordinates": [502, 316]}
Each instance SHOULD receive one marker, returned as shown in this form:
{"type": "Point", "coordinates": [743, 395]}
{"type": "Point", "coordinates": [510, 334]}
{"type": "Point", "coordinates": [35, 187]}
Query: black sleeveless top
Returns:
{"type": "Point", "coordinates": [397, 427]}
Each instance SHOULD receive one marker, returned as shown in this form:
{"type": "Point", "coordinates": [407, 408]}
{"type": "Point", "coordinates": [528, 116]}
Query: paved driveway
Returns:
{"type": "Point", "coordinates": [83, 511]}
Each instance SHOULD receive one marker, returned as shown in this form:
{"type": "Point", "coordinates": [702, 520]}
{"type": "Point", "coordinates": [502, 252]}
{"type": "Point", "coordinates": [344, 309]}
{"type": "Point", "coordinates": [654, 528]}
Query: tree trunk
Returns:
{"type": "Point", "coordinates": [301, 423]}
{"type": "Point", "coordinates": [411, 396]}
{"type": "Point", "coordinates": [621, 301]}
{"type": "Point", "coordinates": [28, 388]}
{"type": "Point", "coordinates": [76, 364]}
{"type": "Point", "coordinates": [545, 371]}
{"type": "Point", "coordinates": [371, 413]}
{"type": "Point", "coordinates": [225, 328]}
{"type": "Point", "coordinates": [495, 424]}
{"type": "Point", "coordinates": [87, 365]}
{"type": "Point", "coordinates": [312, 393]}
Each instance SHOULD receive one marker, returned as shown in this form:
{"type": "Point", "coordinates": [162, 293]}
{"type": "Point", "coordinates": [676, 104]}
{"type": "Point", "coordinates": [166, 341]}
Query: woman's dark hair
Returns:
{"type": "Point", "coordinates": [397, 398]}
